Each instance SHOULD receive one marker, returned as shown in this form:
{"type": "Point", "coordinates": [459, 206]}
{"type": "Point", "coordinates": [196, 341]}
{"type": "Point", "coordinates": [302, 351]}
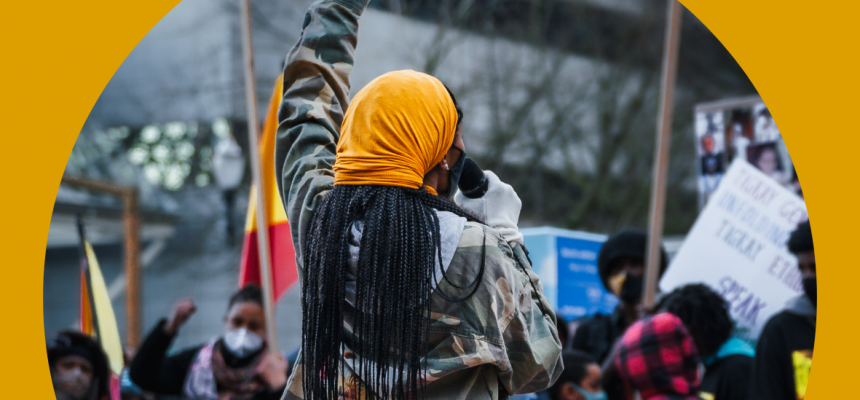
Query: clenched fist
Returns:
{"type": "Point", "coordinates": [181, 312]}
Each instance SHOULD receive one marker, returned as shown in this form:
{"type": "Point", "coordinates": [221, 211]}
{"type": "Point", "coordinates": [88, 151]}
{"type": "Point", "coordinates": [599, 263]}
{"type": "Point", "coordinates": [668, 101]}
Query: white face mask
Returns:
{"type": "Point", "coordinates": [242, 342]}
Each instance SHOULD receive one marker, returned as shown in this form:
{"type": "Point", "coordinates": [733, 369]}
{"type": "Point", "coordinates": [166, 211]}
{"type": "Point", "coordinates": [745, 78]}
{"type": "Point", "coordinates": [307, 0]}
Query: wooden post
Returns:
{"type": "Point", "coordinates": [262, 220]}
{"type": "Point", "coordinates": [661, 151]}
{"type": "Point", "coordinates": [131, 219]}
{"type": "Point", "coordinates": [131, 222]}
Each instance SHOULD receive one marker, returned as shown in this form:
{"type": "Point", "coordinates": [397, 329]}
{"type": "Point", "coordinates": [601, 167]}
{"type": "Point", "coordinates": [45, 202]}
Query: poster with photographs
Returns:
{"type": "Point", "coordinates": [739, 132]}
{"type": "Point", "coordinates": [739, 128]}
{"type": "Point", "coordinates": [765, 128]}
{"type": "Point", "coordinates": [711, 146]}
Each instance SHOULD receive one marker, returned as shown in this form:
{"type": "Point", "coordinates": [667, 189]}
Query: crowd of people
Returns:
{"type": "Point", "coordinates": [414, 289]}
{"type": "Point", "coordinates": [683, 348]}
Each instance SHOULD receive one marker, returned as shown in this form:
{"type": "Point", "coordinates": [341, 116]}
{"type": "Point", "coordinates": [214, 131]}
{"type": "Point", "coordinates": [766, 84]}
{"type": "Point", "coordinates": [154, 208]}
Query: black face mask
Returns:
{"type": "Point", "coordinates": [455, 172]}
{"type": "Point", "coordinates": [631, 290]}
{"type": "Point", "coordinates": [810, 288]}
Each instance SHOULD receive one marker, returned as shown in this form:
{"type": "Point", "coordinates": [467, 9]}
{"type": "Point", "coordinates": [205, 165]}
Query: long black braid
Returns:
{"type": "Point", "coordinates": [400, 244]}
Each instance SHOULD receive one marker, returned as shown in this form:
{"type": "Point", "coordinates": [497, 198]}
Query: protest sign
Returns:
{"type": "Point", "coordinates": [738, 247]}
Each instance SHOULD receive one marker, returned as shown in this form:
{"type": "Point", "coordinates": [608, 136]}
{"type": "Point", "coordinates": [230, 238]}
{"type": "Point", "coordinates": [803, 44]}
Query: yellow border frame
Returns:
{"type": "Point", "coordinates": [59, 55]}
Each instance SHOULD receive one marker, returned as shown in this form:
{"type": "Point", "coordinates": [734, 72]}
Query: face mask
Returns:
{"type": "Point", "coordinates": [628, 288]}
{"type": "Point", "coordinates": [242, 342]}
{"type": "Point", "coordinates": [601, 395]}
{"type": "Point", "coordinates": [810, 288]}
{"type": "Point", "coordinates": [631, 290]}
{"type": "Point", "coordinates": [72, 385]}
{"type": "Point", "coordinates": [455, 172]}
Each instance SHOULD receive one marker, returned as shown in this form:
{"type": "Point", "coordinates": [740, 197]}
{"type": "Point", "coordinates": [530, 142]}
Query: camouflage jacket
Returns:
{"type": "Point", "coordinates": [500, 341]}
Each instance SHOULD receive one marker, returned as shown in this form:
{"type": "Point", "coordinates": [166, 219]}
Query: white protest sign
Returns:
{"type": "Point", "coordinates": [738, 247]}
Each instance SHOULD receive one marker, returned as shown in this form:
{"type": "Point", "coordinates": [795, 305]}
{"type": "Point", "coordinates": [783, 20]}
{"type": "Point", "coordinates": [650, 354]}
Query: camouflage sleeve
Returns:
{"type": "Point", "coordinates": [531, 338]}
{"type": "Point", "coordinates": [316, 86]}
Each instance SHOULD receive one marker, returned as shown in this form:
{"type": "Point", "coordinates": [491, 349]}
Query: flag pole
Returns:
{"type": "Point", "coordinates": [85, 275]}
{"type": "Point", "coordinates": [661, 152]}
{"type": "Point", "coordinates": [262, 231]}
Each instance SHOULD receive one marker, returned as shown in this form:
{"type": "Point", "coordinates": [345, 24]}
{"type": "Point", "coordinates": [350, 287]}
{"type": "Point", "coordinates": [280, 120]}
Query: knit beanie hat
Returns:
{"type": "Point", "coordinates": [628, 242]}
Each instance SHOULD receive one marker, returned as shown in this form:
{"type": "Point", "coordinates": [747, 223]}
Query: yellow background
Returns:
{"type": "Point", "coordinates": [57, 56]}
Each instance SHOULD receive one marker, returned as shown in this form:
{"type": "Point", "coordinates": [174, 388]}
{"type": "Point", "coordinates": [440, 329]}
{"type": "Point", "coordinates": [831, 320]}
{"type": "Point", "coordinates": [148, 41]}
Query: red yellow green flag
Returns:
{"type": "Point", "coordinates": [86, 307]}
{"type": "Point", "coordinates": [97, 317]}
{"type": "Point", "coordinates": [284, 273]}
{"type": "Point", "coordinates": [101, 313]}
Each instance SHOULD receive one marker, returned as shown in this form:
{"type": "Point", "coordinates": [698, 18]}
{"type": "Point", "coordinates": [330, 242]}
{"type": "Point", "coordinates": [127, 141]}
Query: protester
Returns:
{"type": "Point", "coordinates": [79, 367]}
{"type": "Point", "coordinates": [405, 294]}
{"type": "Point", "coordinates": [236, 365]}
{"type": "Point", "coordinates": [728, 361]}
{"type": "Point", "coordinates": [657, 359]}
{"type": "Point", "coordinates": [783, 356]}
{"type": "Point", "coordinates": [580, 379]}
{"type": "Point", "coordinates": [621, 265]}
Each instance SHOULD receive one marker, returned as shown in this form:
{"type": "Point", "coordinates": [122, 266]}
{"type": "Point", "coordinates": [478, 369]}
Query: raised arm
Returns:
{"type": "Point", "coordinates": [156, 372]}
{"type": "Point", "coordinates": [316, 86]}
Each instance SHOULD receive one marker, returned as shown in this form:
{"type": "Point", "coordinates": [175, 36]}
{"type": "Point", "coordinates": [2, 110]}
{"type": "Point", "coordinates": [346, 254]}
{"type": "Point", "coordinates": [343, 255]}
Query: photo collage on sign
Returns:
{"type": "Point", "coordinates": [747, 132]}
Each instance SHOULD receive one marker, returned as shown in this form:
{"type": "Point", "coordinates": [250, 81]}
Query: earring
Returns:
{"type": "Point", "coordinates": [446, 166]}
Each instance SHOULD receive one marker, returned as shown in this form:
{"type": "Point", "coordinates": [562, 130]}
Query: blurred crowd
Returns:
{"type": "Point", "coordinates": [683, 348]}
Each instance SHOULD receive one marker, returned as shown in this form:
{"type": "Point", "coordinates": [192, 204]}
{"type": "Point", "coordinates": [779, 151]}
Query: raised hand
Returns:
{"type": "Point", "coordinates": [274, 370]}
{"type": "Point", "coordinates": [181, 312]}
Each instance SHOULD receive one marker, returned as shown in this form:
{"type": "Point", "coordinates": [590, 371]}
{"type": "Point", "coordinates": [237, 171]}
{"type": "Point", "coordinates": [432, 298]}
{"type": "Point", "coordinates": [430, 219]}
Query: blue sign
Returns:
{"type": "Point", "coordinates": [580, 291]}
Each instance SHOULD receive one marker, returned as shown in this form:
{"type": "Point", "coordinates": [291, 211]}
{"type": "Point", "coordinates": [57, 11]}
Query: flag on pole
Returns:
{"type": "Point", "coordinates": [284, 273]}
{"type": "Point", "coordinates": [86, 307]}
{"type": "Point", "coordinates": [97, 317]}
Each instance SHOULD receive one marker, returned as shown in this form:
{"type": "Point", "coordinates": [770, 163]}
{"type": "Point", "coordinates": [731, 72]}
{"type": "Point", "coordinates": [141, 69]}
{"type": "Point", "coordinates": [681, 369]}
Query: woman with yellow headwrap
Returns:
{"type": "Point", "coordinates": [404, 294]}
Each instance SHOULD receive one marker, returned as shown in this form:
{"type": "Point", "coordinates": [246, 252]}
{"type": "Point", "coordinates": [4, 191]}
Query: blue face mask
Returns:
{"type": "Point", "coordinates": [601, 395]}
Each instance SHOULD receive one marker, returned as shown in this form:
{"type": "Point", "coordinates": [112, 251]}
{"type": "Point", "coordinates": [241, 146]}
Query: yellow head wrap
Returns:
{"type": "Point", "coordinates": [395, 131]}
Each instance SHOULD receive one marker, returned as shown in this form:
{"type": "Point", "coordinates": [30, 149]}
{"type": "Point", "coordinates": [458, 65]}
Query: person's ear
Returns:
{"type": "Point", "coordinates": [568, 392]}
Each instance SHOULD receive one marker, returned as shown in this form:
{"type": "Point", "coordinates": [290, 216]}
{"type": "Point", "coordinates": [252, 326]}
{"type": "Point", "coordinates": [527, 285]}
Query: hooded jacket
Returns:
{"type": "Point", "coordinates": [658, 359]}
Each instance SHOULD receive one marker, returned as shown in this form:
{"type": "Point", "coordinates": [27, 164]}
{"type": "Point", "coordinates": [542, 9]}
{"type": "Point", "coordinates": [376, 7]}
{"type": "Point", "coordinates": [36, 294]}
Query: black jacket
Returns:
{"type": "Point", "coordinates": [155, 372]}
{"type": "Point", "coordinates": [728, 378]}
{"type": "Point", "coordinates": [783, 357]}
